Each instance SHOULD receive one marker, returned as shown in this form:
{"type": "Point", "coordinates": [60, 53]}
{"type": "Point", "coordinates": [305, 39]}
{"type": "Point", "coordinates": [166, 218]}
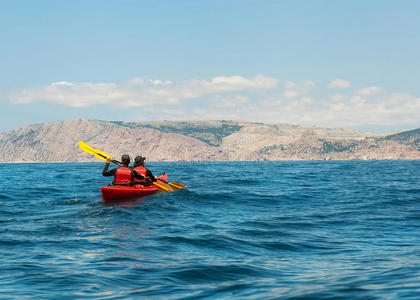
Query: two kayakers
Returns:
{"type": "Point", "coordinates": [142, 170]}
{"type": "Point", "coordinates": [125, 175]}
{"type": "Point", "coordinates": [122, 175]}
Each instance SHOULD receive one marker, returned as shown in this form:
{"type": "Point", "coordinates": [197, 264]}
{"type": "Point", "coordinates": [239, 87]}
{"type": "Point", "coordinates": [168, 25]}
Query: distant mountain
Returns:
{"type": "Point", "coordinates": [201, 141]}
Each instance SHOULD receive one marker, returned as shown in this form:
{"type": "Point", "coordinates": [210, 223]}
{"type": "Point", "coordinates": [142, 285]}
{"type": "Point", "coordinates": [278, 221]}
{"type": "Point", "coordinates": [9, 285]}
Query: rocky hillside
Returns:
{"type": "Point", "coordinates": [201, 141]}
{"type": "Point", "coordinates": [410, 138]}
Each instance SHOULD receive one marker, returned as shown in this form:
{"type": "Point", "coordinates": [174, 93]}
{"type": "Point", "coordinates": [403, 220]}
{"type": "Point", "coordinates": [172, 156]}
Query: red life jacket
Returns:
{"type": "Point", "coordinates": [123, 176]}
{"type": "Point", "coordinates": [142, 171]}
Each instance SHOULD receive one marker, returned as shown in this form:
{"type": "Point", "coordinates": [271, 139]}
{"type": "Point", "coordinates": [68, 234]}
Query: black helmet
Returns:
{"type": "Point", "coordinates": [125, 159]}
{"type": "Point", "coordinates": [139, 160]}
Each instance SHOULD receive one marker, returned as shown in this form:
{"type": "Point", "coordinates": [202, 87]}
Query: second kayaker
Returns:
{"type": "Point", "coordinates": [122, 175]}
{"type": "Point", "coordinates": [142, 170]}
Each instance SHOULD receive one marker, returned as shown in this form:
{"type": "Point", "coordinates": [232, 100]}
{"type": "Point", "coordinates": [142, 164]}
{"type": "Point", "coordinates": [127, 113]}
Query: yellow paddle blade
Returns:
{"type": "Point", "coordinates": [162, 187]}
{"type": "Point", "coordinates": [177, 185]}
{"type": "Point", "coordinates": [85, 147]}
{"type": "Point", "coordinates": [98, 153]}
{"type": "Point", "coordinates": [101, 155]}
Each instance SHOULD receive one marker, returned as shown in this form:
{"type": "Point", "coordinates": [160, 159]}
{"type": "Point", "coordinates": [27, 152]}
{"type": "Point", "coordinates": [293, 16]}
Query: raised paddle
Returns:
{"type": "Point", "coordinates": [98, 153]}
{"type": "Point", "coordinates": [103, 156]}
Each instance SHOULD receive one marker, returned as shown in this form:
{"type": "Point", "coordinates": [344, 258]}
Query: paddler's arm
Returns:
{"type": "Point", "coordinates": [150, 175]}
{"type": "Point", "coordinates": [137, 175]}
{"type": "Point", "coordinates": [111, 172]}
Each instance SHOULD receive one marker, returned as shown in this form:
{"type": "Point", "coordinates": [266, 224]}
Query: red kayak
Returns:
{"type": "Point", "coordinates": [119, 192]}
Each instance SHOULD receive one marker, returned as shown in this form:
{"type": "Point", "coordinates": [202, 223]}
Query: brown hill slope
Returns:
{"type": "Point", "coordinates": [200, 141]}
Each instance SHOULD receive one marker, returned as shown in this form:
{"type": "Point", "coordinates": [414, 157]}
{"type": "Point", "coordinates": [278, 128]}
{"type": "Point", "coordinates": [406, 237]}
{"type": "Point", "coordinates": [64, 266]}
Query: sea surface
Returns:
{"type": "Point", "coordinates": [241, 230]}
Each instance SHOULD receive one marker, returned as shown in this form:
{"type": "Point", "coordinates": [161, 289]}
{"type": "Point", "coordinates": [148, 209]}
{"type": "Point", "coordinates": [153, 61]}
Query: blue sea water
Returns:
{"type": "Point", "coordinates": [242, 230]}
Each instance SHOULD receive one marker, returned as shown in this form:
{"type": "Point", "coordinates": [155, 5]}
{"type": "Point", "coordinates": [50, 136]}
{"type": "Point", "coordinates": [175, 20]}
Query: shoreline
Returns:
{"type": "Point", "coordinates": [215, 161]}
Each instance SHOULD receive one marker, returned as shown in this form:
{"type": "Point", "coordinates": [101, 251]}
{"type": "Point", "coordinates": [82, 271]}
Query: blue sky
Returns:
{"type": "Point", "coordinates": [349, 64]}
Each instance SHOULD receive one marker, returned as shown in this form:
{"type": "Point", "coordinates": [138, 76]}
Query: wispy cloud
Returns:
{"type": "Point", "coordinates": [339, 84]}
{"type": "Point", "coordinates": [294, 90]}
{"type": "Point", "coordinates": [259, 98]}
{"type": "Point", "coordinates": [335, 111]}
{"type": "Point", "coordinates": [137, 91]}
{"type": "Point", "coordinates": [340, 110]}
{"type": "Point", "coordinates": [370, 91]}
{"type": "Point", "coordinates": [230, 102]}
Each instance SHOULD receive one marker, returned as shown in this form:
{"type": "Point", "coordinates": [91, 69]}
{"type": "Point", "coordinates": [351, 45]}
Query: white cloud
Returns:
{"type": "Point", "coordinates": [369, 91]}
{"type": "Point", "coordinates": [138, 92]}
{"type": "Point", "coordinates": [72, 94]}
{"type": "Point", "coordinates": [306, 100]}
{"type": "Point", "coordinates": [294, 103]}
{"type": "Point", "coordinates": [357, 100]}
{"type": "Point", "coordinates": [339, 84]}
{"type": "Point", "coordinates": [230, 102]}
{"type": "Point", "coordinates": [302, 86]}
{"type": "Point", "coordinates": [292, 106]}
{"type": "Point", "coordinates": [338, 98]}
{"type": "Point", "coordinates": [291, 94]}
{"type": "Point", "coordinates": [294, 90]}
{"type": "Point", "coordinates": [62, 83]}
{"type": "Point", "coordinates": [338, 111]}
{"type": "Point", "coordinates": [288, 85]}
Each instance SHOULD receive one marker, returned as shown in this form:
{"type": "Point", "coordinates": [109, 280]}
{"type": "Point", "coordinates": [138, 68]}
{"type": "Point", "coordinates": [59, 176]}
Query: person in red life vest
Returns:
{"type": "Point", "coordinates": [142, 170]}
{"type": "Point", "coordinates": [123, 175]}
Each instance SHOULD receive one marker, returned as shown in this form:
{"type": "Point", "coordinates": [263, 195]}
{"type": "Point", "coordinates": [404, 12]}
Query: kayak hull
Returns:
{"type": "Point", "coordinates": [119, 192]}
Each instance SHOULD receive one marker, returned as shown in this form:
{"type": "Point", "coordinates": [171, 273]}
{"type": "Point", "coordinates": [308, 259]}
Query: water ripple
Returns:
{"type": "Point", "coordinates": [298, 230]}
